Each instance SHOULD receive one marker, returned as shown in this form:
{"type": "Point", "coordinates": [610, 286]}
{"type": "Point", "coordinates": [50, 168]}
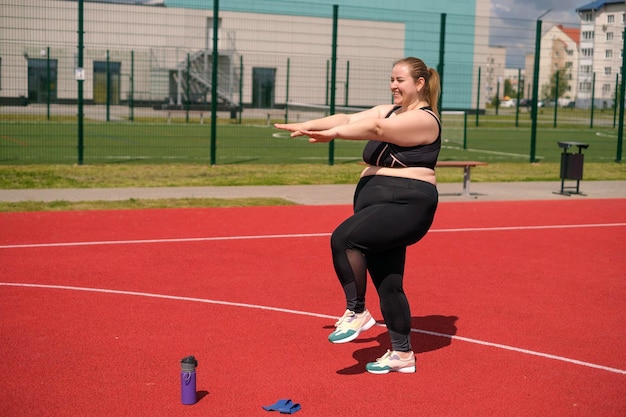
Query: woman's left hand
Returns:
{"type": "Point", "coordinates": [319, 136]}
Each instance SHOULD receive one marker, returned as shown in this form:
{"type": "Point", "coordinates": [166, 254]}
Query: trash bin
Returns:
{"type": "Point", "coordinates": [572, 166]}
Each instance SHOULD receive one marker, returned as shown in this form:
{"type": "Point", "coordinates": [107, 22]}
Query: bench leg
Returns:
{"type": "Point", "coordinates": [466, 181]}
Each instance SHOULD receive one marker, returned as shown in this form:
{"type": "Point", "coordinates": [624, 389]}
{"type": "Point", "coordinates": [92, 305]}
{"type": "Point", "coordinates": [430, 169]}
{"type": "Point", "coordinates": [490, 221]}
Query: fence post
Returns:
{"type": "Point", "coordinates": [327, 82]}
{"type": "Point", "coordinates": [464, 130]}
{"type": "Point", "coordinates": [616, 98]}
{"type": "Point", "coordinates": [478, 98]}
{"type": "Point", "coordinates": [287, 91]}
{"type": "Point", "coordinates": [188, 82]}
{"type": "Point", "coordinates": [593, 99]}
{"type": "Point", "coordinates": [108, 88]}
{"type": "Point", "coordinates": [533, 131]}
{"type": "Point", "coordinates": [333, 80]}
{"type": "Point", "coordinates": [556, 96]}
{"type": "Point", "coordinates": [214, 67]}
{"type": "Point", "coordinates": [620, 129]}
{"type": "Point", "coordinates": [345, 99]}
{"type": "Point", "coordinates": [240, 87]}
{"type": "Point", "coordinates": [48, 89]}
{"type": "Point", "coordinates": [498, 96]}
{"type": "Point", "coordinates": [442, 50]}
{"type": "Point", "coordinates": [80, 77]}
{"type": "Point", "coordinates": [519, 89]}
{"type": "Point", "coordinates": [131, 103]}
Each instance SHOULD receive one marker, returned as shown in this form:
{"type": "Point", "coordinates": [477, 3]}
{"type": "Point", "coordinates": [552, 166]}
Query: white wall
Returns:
{"type": "Point", "coordinates": [161, 38]}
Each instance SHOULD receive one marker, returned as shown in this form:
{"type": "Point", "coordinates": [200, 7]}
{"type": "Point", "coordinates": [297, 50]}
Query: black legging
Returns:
{"type": "Point", "coordinates": [390, 214]}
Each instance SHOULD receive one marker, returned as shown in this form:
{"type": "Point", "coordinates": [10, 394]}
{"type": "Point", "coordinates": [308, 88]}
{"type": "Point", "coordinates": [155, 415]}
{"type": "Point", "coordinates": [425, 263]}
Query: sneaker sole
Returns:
{"type": "Point", "coordinates": [356, 334]}
{"type": "Point", "coordinates": [405, 370]}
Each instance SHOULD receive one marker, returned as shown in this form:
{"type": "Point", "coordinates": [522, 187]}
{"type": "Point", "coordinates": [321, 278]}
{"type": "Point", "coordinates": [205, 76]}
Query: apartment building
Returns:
{"type": "Point", "coordinates": [601, 48]}
{"type": "Point", "coordinates": [494, 74]}
{"type": "Point", "coordinates": [559, 52]}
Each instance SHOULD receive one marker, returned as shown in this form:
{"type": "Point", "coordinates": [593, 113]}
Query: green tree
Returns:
{"type": "Point", "coordinates": [508, 89]}
{"type": "Point", "coordinates": [548, 91]}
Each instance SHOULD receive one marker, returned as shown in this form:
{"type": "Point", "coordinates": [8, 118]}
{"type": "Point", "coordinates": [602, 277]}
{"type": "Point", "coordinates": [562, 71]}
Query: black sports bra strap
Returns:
{"type": "Point", "coordinates": [392, 110]}
{"type": "Point", "coordinates": [432, 113]}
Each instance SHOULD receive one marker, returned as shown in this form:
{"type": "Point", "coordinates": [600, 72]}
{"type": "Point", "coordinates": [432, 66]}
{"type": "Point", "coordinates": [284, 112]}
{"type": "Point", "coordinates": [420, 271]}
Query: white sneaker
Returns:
{"type": "Point", "coordinates": [350, 325]}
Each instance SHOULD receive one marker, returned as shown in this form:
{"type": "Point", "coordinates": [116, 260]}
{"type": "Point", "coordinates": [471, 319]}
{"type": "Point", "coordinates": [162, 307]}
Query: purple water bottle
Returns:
{"type": "Point", "coordinates": [188, 380]}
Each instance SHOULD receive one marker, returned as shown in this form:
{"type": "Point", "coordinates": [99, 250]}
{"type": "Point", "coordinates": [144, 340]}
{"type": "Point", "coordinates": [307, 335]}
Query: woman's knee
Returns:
{"type": "Point", "coordinates": [338, 240]}
{"type": "Point", "coordinates": [389, 287]}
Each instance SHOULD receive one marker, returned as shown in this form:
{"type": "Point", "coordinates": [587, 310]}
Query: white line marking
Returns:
{"type": "Point", "coordinates": [551, 226]}
{"type": "Point", "coordinates": [309, 314]}
{"type": "Point", "coordinates": [295, 235]}
{"type": "Point", "coordinates": [172, 240]}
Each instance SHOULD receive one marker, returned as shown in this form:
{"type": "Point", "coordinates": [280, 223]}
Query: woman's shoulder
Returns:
{"type": "Point", "coordinates": [385, 110]}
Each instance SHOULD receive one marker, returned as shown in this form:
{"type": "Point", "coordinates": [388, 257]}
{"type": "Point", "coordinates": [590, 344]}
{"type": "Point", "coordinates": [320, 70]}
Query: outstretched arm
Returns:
{"type": "Point", "coordinates": [414, 127]}
{"type": "Point", "coordinates": [316, 124]}
{"type": "Point", "coordinates": [330, 122]}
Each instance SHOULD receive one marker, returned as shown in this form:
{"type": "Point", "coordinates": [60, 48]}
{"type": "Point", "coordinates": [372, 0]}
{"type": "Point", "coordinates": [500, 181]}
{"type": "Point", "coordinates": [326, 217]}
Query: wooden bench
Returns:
{"type": "Point", "coordinates": [467, 166]}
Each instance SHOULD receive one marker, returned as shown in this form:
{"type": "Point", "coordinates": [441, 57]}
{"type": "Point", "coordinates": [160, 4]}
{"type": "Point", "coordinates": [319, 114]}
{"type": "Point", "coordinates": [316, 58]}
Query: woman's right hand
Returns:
{"type": "Point", "coordinates": [294, 128]}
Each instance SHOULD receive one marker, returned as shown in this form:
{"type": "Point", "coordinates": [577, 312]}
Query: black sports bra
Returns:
{"type": "Point", "coordinates": [385, 154]}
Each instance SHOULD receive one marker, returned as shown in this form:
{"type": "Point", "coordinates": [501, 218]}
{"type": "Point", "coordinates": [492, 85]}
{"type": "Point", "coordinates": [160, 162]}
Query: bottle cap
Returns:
{"type": "Point", "coordinates": [189, 363]}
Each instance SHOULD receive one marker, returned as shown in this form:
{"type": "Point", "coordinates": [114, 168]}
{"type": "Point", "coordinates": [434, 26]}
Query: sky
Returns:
{"type": "Point", "coordinates": [513, 23]}
{"type": "Point", "coordinates": [532, 9]}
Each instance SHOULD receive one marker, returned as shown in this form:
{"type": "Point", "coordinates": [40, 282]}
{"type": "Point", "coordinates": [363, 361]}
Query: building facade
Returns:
{"type": "Point", "coordinates": [559, 53]}
{"type": "Point", "coordinates": [494, 74]}
{"type": "Point", "coordinates": [270, 52]}
{"type": "Point", "coordinates": [601, 49]}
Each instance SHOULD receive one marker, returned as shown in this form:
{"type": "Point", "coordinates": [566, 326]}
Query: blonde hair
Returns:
{"type": "Point", "coordinates": [432, 87]}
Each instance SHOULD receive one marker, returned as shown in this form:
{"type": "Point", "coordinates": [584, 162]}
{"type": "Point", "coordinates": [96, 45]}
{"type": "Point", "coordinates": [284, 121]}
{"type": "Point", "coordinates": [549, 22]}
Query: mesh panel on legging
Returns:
{"type": "Point", "coordinates": [351, 269]}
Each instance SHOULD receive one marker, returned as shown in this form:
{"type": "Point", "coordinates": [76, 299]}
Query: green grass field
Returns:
{"type": "Point", "coordinates": [496, 139]}
{"type": "Point", "coordinates": [37, 153]}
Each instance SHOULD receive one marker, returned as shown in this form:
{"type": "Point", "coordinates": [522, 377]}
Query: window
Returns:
{"type": "Point", "coordinates": [106, 82]}
{"type": "Point", "coordinates": [607, 70]}
{"type": "Point", "coordinates": [263, 87]}
{"type": "Point", "coordinates": [42, 80]}
{"type": "Point", "coordinates": [610, 18]}
{"type": "Point", "coordinates": [588, 35]}
{"type": "Point", "coordinates": [609, 36]}
{"type": "Point", "coordinates": [606, 88]}
{"type": "Point", "coordinates": [608, 53]}
{"type": "Point", "coordinates": [587, 51]}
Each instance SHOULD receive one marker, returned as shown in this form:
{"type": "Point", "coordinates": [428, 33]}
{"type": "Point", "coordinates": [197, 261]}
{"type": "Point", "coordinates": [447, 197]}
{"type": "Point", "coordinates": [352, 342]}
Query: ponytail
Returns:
{"type": "Point", "coordinates": [434, 89]}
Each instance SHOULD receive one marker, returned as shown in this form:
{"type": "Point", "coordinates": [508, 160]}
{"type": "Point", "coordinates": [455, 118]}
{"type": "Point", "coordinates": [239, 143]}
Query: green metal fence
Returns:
{"type": "Point", "coordinates": [86, 82]}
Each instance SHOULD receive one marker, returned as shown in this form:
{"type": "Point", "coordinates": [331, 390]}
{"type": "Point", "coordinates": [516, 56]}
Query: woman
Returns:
{"type": "Point", "coordinates": [394, 203]}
